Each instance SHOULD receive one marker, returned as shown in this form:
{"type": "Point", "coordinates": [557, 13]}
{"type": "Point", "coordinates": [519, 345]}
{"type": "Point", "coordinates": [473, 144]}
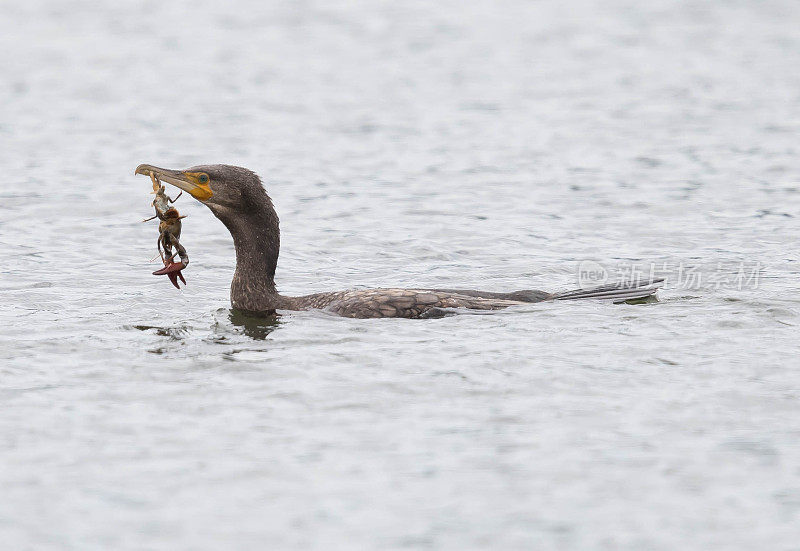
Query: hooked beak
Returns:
{"type": "Point", "coordinates": [187, 181]}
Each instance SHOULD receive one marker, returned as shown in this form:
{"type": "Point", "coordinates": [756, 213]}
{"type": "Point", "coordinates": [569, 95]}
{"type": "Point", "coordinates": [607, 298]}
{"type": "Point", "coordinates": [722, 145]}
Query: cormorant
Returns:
{"type": "Point", "coordinates": [237, 197]}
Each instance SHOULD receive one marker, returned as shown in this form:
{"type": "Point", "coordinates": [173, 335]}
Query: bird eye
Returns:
{"type": "Point", "coordinates": [203, 178]}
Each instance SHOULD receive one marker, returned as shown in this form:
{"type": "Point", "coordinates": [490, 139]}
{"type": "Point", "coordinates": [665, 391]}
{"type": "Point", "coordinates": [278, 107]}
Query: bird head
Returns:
{"type": "Point", "coordinates": [222, 188]}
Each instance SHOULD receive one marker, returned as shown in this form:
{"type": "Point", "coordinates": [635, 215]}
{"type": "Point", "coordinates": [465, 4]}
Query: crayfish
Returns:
{"type": "Point", "coordinates": [169, 233]}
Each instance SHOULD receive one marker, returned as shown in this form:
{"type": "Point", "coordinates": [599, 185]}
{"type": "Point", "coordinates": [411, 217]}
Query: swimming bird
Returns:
{"type": "Point", "coordinates": [237, 197]}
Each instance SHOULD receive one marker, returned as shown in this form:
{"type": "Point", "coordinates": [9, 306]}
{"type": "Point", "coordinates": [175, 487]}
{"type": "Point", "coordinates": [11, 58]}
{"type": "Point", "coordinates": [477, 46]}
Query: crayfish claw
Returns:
{"type": "Point", "coordinates": [173, 271]}
{"type": "Point", "coordinates": [169, 268]}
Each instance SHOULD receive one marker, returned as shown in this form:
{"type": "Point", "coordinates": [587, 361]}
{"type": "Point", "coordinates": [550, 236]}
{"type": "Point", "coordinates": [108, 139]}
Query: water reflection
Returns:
{"type": "Point", "coordinates": [257, 328]}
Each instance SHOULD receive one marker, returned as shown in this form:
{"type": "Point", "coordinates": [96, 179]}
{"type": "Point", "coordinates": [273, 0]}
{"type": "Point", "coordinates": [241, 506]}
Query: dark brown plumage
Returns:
{"type": "Point", "coordinates": [239, 200]}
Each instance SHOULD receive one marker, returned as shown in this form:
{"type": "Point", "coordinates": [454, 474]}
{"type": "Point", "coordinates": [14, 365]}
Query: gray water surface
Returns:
{"type": "Point", "coordinates": [493, 145]}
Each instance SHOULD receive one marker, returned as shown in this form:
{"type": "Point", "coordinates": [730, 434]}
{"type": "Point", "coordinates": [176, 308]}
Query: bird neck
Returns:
{"type": "Point", "coordinates": [256, 238]}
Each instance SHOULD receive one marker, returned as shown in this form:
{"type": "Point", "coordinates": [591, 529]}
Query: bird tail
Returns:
{"type": "Point", "coordinates": [618, 292]}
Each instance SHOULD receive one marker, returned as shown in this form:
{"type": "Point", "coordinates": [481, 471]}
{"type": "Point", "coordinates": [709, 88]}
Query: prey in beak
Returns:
{"type": "Point", "coordinates": [169, 227]}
